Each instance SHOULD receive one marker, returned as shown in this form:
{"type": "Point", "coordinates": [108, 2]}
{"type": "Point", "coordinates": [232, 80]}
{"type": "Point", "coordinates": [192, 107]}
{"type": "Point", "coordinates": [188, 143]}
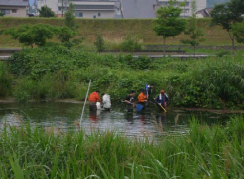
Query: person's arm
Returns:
{"type": "Point", "coordinates": [157, 100]}
{"type": "Point", "coordinates": [98, 98]}
{"type": "Point", "coordinates": [127, 100]}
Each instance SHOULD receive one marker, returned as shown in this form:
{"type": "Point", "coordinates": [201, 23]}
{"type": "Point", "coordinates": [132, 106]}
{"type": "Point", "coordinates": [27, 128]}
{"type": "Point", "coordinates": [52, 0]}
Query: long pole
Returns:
{"type": "Point", "coordinates": [81, 117]}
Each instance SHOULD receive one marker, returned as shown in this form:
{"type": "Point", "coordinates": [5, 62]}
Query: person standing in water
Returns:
{"type": "Point", "coordinates": [93, 99]}
{"type": "Point", "coordinates": [162, 100]}
{"type": "Point", "coordinates": [106, 102]}
{"type": "Point", "coordinates": [142, 98]}
{"type": "Point", "coordinates": [130, 101]}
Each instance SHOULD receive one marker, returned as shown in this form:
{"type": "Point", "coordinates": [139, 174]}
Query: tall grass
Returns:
{"type": "Point", "coordinates": [206, 152]}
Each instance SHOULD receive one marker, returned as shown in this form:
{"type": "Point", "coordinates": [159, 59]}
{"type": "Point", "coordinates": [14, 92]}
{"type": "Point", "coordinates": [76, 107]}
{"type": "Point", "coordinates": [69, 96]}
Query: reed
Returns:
{"type": "Point", "coordinates": [206, 152]}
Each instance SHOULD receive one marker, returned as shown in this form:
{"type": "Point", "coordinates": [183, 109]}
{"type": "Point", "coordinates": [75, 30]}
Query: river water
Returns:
{"type": "Point", "coordinates": [65, 117]}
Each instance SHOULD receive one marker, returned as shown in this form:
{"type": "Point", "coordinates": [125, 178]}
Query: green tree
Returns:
{"type": "Point", "coordinates": [70, 17]}
{"type": "Point", "coordinates": [99, 43]}
{"type": "Point", "coordinates": [32, 34]}
{"type": "Point", "coordinates": [193, 31]}
{"type": "Point", "coordinates": [238, 32]}
{"type": "Point", "coordinates": [168, 22]}
{"type": "Point", "coordinates": [226, 15]}
{"type": "Point", "coordinates": [1, 14]}
{"type": "Point", "coordinates": [46, 12]}
{"type": "Point", "coordinates": [65, 34]}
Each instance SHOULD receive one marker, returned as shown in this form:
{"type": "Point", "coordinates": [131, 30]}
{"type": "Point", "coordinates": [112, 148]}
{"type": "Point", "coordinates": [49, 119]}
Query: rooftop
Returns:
{"type": "Point", "coordinates": [14, 2]}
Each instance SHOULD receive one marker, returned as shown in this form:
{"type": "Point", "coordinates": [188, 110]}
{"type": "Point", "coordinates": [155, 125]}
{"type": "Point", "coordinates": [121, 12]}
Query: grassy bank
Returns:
{"type": "Point", "coordinates": [206, 152]}
{"type": "Point", "coordinates": [55, 72]}
{"type": "Point", "coordinates": [114, 30]}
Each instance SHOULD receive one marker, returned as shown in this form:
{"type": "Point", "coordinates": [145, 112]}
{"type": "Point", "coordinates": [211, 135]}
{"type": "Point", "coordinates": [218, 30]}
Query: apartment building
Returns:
{"type": "Point", "coordinates": [85, 8]}
{"type": "Point", "coordinates": [14, 8]}
{"type": "Point", "coordinates": [185, 6]}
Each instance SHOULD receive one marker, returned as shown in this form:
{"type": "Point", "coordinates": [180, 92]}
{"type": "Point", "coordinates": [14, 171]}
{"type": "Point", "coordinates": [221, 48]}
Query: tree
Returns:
{"type": "Point", "coordinates": [228, 14]}
{"type": "Point", "coordinates": [1, 14]}
{"type": "Point", "coordinates": [168, 22]}
{"type": "Point", "coordinates": [194, 32]}
{"type": "Point", "coordinates": [46, 12]}
{"type": "Point", "coordinates": [238, 32]}
{"type": "Point", "coordinates": [99, 43]}
{"type": "Point", "coordinates": [32, 34]}
{"type": "Point", "coordinates": [65, 34]}
{"type": "Point", "coordinates": [70, 18]}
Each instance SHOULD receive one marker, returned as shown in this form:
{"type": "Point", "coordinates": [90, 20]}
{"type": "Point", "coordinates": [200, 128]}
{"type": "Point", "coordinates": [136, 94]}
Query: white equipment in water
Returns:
{"type": "Point", "coordinates": [98, 104]}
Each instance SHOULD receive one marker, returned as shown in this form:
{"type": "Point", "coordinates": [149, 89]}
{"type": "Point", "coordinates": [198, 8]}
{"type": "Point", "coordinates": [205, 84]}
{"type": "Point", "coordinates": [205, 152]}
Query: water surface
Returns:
{"type": "Point", "coordinates": [65, 117]}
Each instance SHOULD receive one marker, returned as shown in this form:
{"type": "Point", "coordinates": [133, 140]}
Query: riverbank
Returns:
{"type": "Point", "coordinates": [56, 72]}
{"type": "Point", "coordinates": [114, 31]}
{"type": "Point", "coordinates": [204, 152]}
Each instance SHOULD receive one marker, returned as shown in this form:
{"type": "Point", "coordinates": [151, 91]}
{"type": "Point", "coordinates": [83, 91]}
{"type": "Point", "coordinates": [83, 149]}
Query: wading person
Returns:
{"type": "Point", "coordinates": [93, 99]}
{"type": "Point", "coordinates": [149, 91]}
{"type": "Point", "coordinates": [162, 101]}
{"type": "Point", "coordinates": [142, 98]}
{"type": "Point", "coordinates": [106, 102]}
{"type": "Point", "coordinates": [130, 101]}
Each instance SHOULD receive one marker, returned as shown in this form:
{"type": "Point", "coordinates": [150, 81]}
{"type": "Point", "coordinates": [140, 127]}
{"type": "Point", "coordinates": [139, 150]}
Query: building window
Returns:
{"type": "Point", "coordinates": [14, 10]}
{"type": "Point", "coordinates": [80, 14]}
{"type": "Point", "coordinates": [5, 11]}
{"type": "Point", "coordinates": [186, 11]}
{"type": "Point", "coordinates": [94, 17]}
{"type": "Point", "coordinates": [99, 14]}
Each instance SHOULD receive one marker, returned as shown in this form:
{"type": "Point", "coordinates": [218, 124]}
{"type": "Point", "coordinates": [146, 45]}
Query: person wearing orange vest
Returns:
{"type": "Point", "coordinates": [142, 98]}
{"type": "Point", "coordinates": [93, 98]}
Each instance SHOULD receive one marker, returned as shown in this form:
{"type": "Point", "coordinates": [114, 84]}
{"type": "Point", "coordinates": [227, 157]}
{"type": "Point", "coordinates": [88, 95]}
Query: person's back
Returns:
{"type": "Point", "coordinates": [106, 101]}
{"type": "Point", "coordinates": [93, 98]}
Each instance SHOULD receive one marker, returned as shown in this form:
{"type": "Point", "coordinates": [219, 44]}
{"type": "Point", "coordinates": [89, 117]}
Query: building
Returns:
{"type": "Point", "coordinates": [85, 8]}
{"type": "Point", "coordinates": [204, 13]}
{"type": "Point", "coordinates": [138, 9]}
{"type": "Point", "coordinates": [95, 9]}
{"type": "Point", "coordinates": [185, 6]}
{"type": "Point", "coordinates": [14, 8]}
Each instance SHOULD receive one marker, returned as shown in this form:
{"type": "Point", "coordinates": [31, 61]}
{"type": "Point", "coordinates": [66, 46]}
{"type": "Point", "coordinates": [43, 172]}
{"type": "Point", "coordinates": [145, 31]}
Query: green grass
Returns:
{"type": "Point", "coordinates": [114, 30]}
{"type": "Point", "coordinates": [205, 152]}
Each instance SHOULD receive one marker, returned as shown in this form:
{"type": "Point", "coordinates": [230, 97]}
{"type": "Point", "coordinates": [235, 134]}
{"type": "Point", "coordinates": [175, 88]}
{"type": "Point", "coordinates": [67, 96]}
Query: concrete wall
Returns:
{"type": "Point", "coordinates": [90, 14]}
{"type": "Point", "coordinates": [20, 11]}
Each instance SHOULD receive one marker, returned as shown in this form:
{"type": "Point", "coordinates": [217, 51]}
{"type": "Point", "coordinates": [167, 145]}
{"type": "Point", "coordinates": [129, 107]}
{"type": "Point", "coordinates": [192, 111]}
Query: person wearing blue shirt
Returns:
{"type": "Point", "coordinates": [162, 100]}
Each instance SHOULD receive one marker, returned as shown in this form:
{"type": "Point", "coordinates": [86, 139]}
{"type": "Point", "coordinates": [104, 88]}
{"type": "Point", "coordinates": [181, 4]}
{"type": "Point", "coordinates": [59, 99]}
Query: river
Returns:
{"type": "Point", "coordinates": [65, 116]}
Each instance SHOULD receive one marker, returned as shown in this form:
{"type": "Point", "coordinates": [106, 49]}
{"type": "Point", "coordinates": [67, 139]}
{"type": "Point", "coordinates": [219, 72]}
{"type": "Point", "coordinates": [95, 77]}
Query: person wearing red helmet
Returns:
{"type": "Point", "coordinates": [162, 100]}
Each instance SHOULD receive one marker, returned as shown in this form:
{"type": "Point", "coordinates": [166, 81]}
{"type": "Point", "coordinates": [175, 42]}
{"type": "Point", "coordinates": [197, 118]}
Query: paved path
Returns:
{"type": "Point", "coordinates": [6, 58]}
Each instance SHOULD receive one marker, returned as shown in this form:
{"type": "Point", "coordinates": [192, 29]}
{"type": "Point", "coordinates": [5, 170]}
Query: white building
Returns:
{"type": "Point", "coordinates": [186, 8]}
{"type": "Point", "coordinates": [85, 8]}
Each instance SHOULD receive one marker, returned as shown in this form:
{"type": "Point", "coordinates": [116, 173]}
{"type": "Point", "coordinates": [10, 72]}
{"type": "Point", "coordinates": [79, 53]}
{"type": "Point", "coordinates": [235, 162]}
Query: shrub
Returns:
{"type": "Point", "coordinates": [130, 44]}
{"type": "Point", "coordinates": [99, 43]}
{"type": "Point", "coordinates": [5, 81]}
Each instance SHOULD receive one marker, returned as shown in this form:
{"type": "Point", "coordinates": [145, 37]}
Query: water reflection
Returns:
{"type": "Point", "coordinates": [65, 116]}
